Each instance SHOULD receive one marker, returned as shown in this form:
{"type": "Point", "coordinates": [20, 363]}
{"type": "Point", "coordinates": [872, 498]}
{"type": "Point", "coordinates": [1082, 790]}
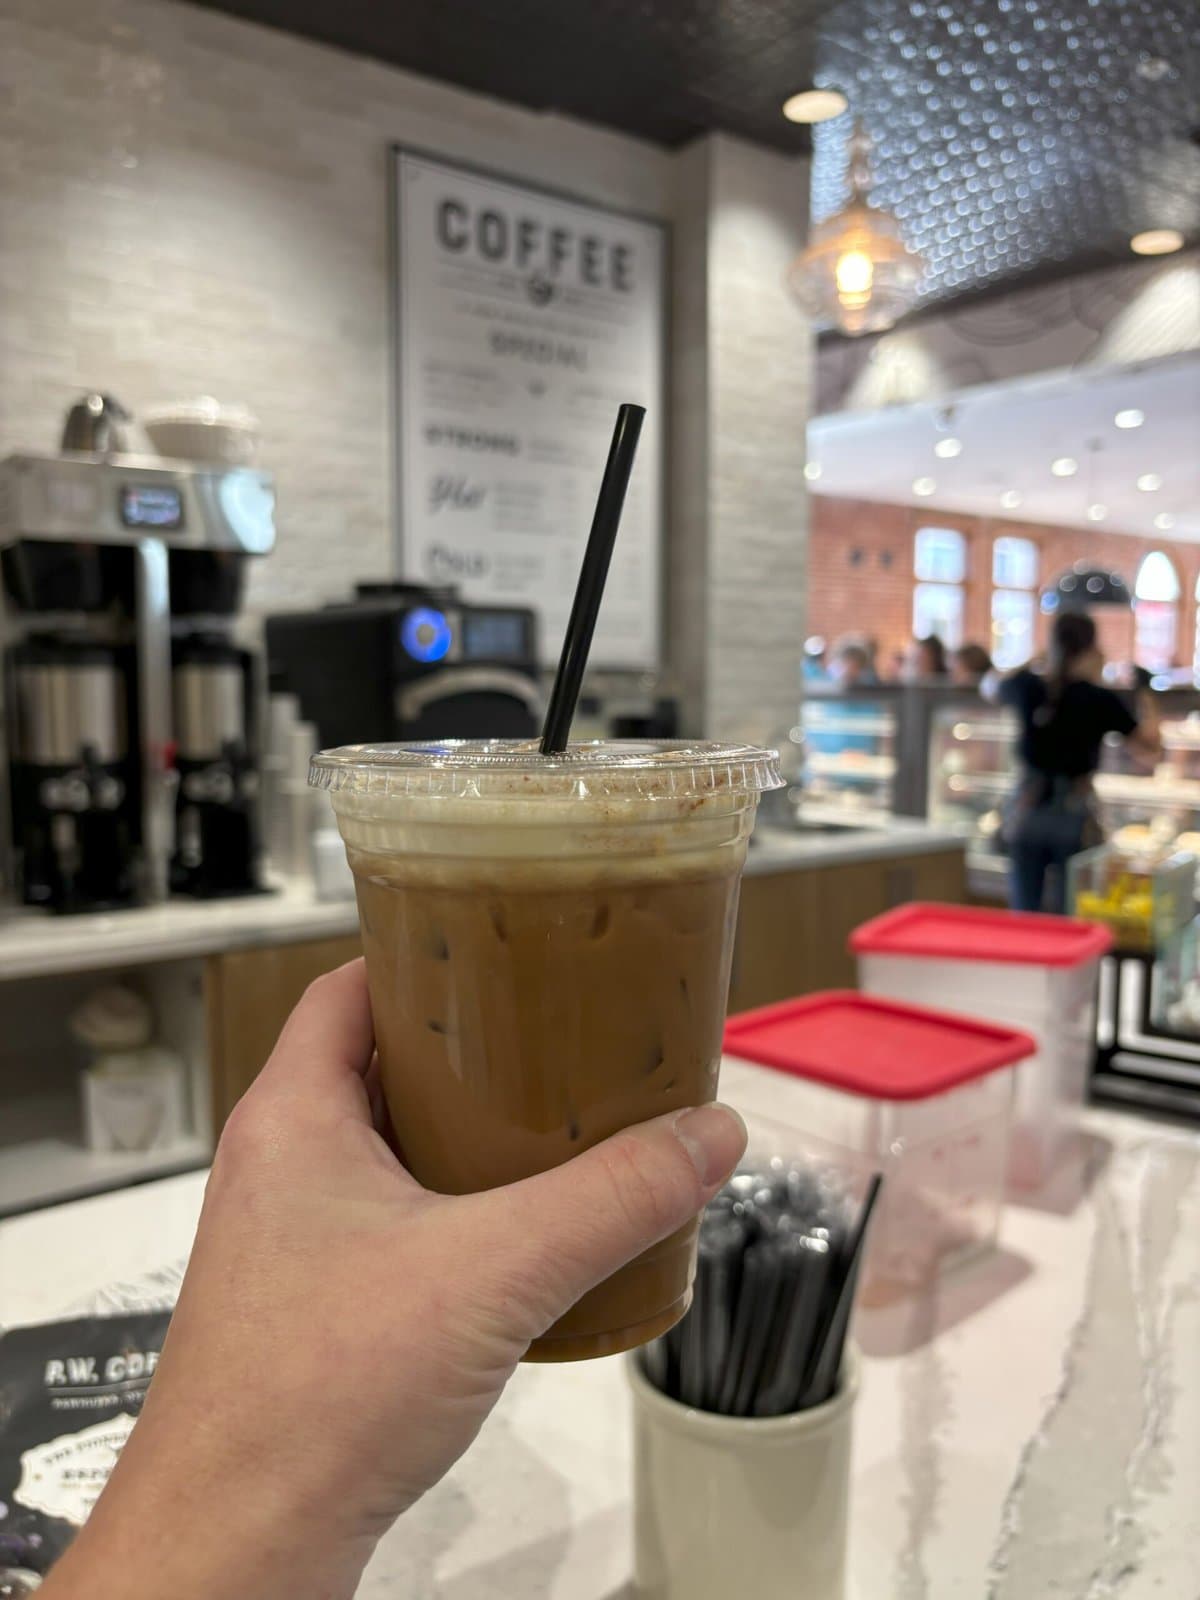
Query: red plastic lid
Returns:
{"type": "Point", "coordinates": [879, 1048]}
{"type": "Point", "coordinates": [973, 933]}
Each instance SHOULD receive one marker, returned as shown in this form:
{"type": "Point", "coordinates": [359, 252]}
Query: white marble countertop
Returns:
{"type": "Point", "coordinates": [1030, 1429]}
{"type": "Point", "coordinates": [37, 944]}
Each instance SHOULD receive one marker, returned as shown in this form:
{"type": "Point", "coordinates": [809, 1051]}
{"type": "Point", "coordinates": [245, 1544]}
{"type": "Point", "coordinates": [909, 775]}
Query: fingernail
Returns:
{"type": "Point", "coordinates": [714, 1137]}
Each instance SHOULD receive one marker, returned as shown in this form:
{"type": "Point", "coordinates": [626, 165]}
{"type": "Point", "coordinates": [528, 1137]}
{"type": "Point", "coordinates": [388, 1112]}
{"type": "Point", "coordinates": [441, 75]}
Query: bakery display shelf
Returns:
{"type": "Point", "coordinates": [819, 720]}
{"type": "Point", "coordinates": [851, 765]}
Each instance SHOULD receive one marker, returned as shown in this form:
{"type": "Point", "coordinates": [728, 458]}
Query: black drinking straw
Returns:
{"type": "Point", "coordinates": [588, 591]}
{"type": "Point", "coordinates": [822, 1381]}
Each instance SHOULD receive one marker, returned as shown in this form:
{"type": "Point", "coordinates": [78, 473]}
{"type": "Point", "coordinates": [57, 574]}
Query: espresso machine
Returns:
{"type": "Point", "coordinates": [404, 661]}
{"type": "Point", "coordinates": [128, 756]}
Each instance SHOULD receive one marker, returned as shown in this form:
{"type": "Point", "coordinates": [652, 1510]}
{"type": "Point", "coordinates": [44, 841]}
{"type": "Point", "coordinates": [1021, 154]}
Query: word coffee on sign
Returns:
{"type": "Point", "coordinates": [527, 244]}
{"type": "Point", "coordinates": [524, 319]}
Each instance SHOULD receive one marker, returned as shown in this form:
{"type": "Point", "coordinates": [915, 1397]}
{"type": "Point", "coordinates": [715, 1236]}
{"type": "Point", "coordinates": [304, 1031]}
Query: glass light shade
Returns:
{"type": "Point", "coordinates": [856, 273]}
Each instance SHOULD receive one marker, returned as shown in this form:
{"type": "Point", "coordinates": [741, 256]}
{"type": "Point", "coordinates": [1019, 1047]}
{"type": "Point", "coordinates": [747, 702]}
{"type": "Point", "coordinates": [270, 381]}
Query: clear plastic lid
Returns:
{"type": "Point", "coordinates": [506, 769]}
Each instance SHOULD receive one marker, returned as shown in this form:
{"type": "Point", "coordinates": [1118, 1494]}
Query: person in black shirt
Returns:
{"type": "Point", "coordinates": [1064, 718]}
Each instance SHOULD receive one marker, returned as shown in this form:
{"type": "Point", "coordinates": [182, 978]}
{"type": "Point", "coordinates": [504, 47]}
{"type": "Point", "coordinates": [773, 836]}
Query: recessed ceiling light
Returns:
{"type": "Point", "coordinates": [1164, 522]}
{"type": "Point", "coordinates": [815, 105]}
{"type": "Point", "coordinates": [1010, 499]}
{"type": "Point", "coordinates": [1133, 418]}
{"type": "Point", "coordinates": [1149, 482]}
{"type": "Point", "coordinates": [923, 486]}
{"type": "Point", "coordinates": [1097, 512]}
{"type": "Point", "coordinates": [1064, 466]}
{"type": "Point", "coordinates": [948, 448]}
{"type": "Point", "coordinates": [812, 470]}
{"type": "Point", "coordinates": [1156, 242]}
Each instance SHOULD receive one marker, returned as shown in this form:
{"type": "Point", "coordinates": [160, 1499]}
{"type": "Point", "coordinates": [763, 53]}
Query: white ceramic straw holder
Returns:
{"type": "Point", "coordinates": [728, 1505]}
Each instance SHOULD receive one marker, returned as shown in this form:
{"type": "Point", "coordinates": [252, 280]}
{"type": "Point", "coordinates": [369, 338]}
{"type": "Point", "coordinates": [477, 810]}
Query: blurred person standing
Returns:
{"type": "Point", "coordinates": [924, 660]}
{"type": "Point", "coordinates": [814, 667]}
{"type": "Point", "coordinates": [1064, 716]}
{"type": "Point", "coordinates": [970, 666]}
{"type": "Point", "coordinates": [852, 665]}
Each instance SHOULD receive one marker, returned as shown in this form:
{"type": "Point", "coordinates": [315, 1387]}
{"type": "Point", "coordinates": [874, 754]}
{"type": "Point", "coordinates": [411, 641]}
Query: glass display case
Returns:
{"type": "Point", "coordinates": [948, 755]}
{"type": "Point", "coordinates": [1175, 995]}
{"type": "Point", "coordinates": [1159, 811]}
{"type": "Point", "coordinates": [851, 756]}
{"type": "Point", "coordinates": [972, 768]}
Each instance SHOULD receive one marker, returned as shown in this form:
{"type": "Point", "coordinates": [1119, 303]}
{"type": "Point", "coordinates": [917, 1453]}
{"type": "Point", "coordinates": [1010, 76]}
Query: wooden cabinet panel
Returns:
{"type": "Point", "coordinates": [941, 877]}
{"type": "Point", "coordinates": [793, 927]}
{"type": "Point", "coordinates": [248, 995]}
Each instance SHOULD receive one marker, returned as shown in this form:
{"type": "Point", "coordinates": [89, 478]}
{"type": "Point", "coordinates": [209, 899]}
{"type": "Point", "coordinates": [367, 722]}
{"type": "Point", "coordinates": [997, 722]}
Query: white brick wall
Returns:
{"type": "Point", "coordinates": [738, 552]}
{"type": "Point", "coordinates": [190, 204]}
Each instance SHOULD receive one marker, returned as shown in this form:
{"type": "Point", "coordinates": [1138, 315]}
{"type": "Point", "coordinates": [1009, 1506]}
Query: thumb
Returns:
{"type": "Point", "coordinates": [551, 1238]}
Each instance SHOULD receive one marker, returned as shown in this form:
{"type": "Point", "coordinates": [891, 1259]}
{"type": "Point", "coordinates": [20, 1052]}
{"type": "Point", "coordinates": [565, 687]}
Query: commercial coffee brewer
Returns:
{"type": "Point", "coordinates": [129, 727]}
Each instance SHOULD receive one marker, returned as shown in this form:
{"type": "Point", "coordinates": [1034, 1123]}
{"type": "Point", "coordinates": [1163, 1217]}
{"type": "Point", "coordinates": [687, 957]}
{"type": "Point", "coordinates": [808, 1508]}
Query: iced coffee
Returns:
{"type": "Point", "coordinates": [548, 944]}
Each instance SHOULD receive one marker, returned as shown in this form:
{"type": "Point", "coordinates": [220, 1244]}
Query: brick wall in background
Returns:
{"type": "Point", "coordinates": [861, 570]}
{"type": "Point", "coordinates": [191, 204]}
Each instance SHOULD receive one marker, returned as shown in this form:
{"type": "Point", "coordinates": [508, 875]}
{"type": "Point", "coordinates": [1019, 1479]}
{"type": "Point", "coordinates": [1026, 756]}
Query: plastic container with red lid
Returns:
{"type": "Point", "coordinates": [921, 1095]}
{"type": "Point", "coordinates": [1031, 972]}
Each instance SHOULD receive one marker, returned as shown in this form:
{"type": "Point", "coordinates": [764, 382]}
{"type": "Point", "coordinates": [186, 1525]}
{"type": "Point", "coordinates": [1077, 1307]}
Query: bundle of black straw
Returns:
{"type": "Point", "coordinates": [776, 1273]}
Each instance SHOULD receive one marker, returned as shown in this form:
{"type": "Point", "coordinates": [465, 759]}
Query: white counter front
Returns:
{"type": "Point", "coordinates": [1031, 1429]}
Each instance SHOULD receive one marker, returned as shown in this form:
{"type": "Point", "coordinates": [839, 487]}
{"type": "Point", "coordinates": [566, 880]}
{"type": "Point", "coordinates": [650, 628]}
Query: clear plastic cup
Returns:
{"type": "Point", "coordinates": [548, 942]}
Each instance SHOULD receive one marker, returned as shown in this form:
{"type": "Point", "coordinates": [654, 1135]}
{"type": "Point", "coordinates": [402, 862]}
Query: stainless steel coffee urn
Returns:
{"type": "Point", "coordinates": [216, 813]}
{"type": "Point", "coordinates": [74, 794]}
{"type": "Point", "coordinates": [128, 713]}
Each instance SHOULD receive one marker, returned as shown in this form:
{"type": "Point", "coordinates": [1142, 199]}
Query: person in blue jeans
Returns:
{"type": "Point", "coordinates": [1064, 715]}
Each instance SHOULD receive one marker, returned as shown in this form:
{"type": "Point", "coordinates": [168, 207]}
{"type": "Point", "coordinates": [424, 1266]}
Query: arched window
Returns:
{"type": "Point", "coordinates": [940, 568]}
{"type": "Point", "coordinates": [1156, 594]}
{"type": "Point", "coordinates": [1157, 579]}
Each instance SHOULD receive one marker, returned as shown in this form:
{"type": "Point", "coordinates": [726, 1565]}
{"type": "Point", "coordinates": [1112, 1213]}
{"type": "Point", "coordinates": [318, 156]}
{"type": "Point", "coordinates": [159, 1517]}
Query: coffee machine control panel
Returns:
{"type": "Point", "coordinates": [121, 499]}
{"type": "Point", "coordinates": [157, 506]}
{"type": "Point", "coordinates": [428, 635]}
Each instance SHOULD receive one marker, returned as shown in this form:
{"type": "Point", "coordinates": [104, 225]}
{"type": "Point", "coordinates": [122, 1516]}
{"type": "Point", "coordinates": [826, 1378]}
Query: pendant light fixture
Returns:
{"type": "Point", "coordinates": [856, 273]}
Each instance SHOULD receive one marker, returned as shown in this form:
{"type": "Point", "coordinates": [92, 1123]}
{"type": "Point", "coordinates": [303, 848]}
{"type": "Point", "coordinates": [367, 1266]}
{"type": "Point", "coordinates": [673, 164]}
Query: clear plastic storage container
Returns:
{"type": "Point", "coordinates": [1144, 903]}
{"type": "Point", "coordinates": [919, 1095]}
{"type": "Point", "coordinates": [1035, 973]}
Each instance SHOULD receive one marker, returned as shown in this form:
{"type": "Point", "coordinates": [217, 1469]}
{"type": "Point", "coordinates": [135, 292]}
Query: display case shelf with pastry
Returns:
{"type": "Point", "coordinates": [850, 751]}
{"type": "Point", "coordinates": [972, 770]}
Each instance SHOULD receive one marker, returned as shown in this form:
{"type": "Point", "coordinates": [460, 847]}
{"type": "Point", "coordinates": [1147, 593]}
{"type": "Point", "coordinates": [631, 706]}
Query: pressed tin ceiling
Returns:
{"type": "Point", "coordinates": [1017, 136]}
{"type": "Point", "coordinates": [1014, 139]}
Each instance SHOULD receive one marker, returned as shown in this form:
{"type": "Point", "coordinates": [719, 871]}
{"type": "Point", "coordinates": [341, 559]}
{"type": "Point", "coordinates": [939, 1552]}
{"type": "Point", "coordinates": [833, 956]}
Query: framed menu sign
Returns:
{"type": "Point", "coordinates": [523, 319]}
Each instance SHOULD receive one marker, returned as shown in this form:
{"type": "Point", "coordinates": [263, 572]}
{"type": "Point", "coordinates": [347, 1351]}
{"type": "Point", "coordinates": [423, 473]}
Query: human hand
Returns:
{"type": "Point", "coordinates": [342, 1333]}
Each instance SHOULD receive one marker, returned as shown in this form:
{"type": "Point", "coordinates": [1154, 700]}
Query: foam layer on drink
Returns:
{"type": "Point", "coordinates": [525, 839]}
{"type": "Point", "coordinates": [673, 807]}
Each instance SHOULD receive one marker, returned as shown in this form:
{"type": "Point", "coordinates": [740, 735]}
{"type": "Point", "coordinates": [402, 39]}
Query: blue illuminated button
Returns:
{"type": "Point", "coordinates": [425, 634]}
